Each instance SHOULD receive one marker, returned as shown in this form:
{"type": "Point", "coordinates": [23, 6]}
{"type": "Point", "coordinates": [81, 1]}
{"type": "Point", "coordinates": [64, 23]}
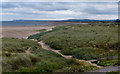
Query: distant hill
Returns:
{"type": "Point", "coordinates": [118, 20]}
{"type": "Point", "coordinates": [88, 20]}
{"type": "Point", "coordinates": [72, 20]}
{"type": "Point", "coordinates": [36, 20]}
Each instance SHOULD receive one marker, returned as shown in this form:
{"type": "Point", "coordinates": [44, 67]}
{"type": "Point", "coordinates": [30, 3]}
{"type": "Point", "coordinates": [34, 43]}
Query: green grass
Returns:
{"type": "Point", "coordinates": [108, 62]}
{"type": "Point", "coordinates": [78, 66]}
{"type": "Point", "coordinates": [14, 56]}
{"type": "Point", "coordinates": [84, 41]}
{"type": "Point", "coordinates": [81, 36]}
{"type": "Point", "coordinates": [14, 63]}
{"type": "Point", "coordinates": [41, 30]}
{"type": "Point", "coordinates": [37, 36]}
{"type": "Point", "coordinates": [38, 60]}
{"type": "Point", "coordinates": [52, 62]}
{"type": "Point", "coordinates": [49, 62]}
{"type": "Point", "coordinates": [17, 45]}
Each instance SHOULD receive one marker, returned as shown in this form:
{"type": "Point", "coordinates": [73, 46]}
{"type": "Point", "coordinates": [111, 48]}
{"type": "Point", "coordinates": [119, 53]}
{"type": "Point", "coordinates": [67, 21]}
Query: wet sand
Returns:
{"type": "Point", "coordinates": [21, 31]}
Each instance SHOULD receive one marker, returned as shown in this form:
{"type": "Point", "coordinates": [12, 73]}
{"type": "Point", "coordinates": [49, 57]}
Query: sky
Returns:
{"type": "Point", "coordinates": [58, 10]}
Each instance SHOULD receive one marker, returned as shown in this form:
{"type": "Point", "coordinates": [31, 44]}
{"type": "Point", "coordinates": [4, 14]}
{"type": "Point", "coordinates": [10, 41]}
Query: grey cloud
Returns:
{"type": "Point", "coordinates": [54, 6]}
{"type": "Point", "coordinates": [7, 5]}
{"type": "Point", "coordinates": [85, 8]}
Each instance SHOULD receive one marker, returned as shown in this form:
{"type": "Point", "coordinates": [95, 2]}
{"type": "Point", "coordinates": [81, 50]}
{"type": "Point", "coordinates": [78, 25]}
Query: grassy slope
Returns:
{"type": "Point", "coordinates": [84, 41]}
{"type": "Point", "coordinates": [17, 45]}
{"type": "Point", "coordinates": [38, 60]}
{"type": "Point", "coordinates": [14, 56]}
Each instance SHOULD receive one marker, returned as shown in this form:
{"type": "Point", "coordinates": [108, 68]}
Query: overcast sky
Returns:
{"type": "Point", "coordinates": [59, 10]}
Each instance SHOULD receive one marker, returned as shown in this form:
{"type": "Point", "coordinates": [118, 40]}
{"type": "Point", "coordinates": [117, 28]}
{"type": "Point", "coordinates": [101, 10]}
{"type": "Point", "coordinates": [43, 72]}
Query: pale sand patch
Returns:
{"type": "Point", "coordinates": [21, 31]}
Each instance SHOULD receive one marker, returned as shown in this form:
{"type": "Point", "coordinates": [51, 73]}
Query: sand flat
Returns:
{"type": "Point", "coordinates": [25, 31]}
{"type": "Point", "coordinates": [21, 31]}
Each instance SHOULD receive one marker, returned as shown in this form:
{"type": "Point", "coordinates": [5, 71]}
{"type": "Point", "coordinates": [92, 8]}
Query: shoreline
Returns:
{"type": "Point", "coordinates": [25, 31]}
{"type": "Point", "coordinates": [26, 25]}
{"type": "Point", "coordinates": [21, 31]}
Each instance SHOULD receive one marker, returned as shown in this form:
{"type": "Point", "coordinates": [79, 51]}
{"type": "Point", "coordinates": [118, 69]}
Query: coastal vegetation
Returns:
{"type": "Point", "coordinates": [22, 55]}
{"type": "Point", "coordinates": [37, 36]}
{"type": "Point", "coordinates": [41, 30]}
{"type": "Point", "coordinates": [108, 62]}
{"type": "Point", "coordinates": [84, 41]}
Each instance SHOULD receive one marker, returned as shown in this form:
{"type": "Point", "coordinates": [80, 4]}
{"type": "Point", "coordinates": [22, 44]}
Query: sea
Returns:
{"type": "Point", "coordinates": [24, 23]}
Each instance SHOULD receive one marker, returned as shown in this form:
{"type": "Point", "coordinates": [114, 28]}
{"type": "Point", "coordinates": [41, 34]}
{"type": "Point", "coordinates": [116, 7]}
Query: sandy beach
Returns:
{"type": "Point", "coordinates": [25, 31]}
{"type": "Point", "coordinates": [21, 31]}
